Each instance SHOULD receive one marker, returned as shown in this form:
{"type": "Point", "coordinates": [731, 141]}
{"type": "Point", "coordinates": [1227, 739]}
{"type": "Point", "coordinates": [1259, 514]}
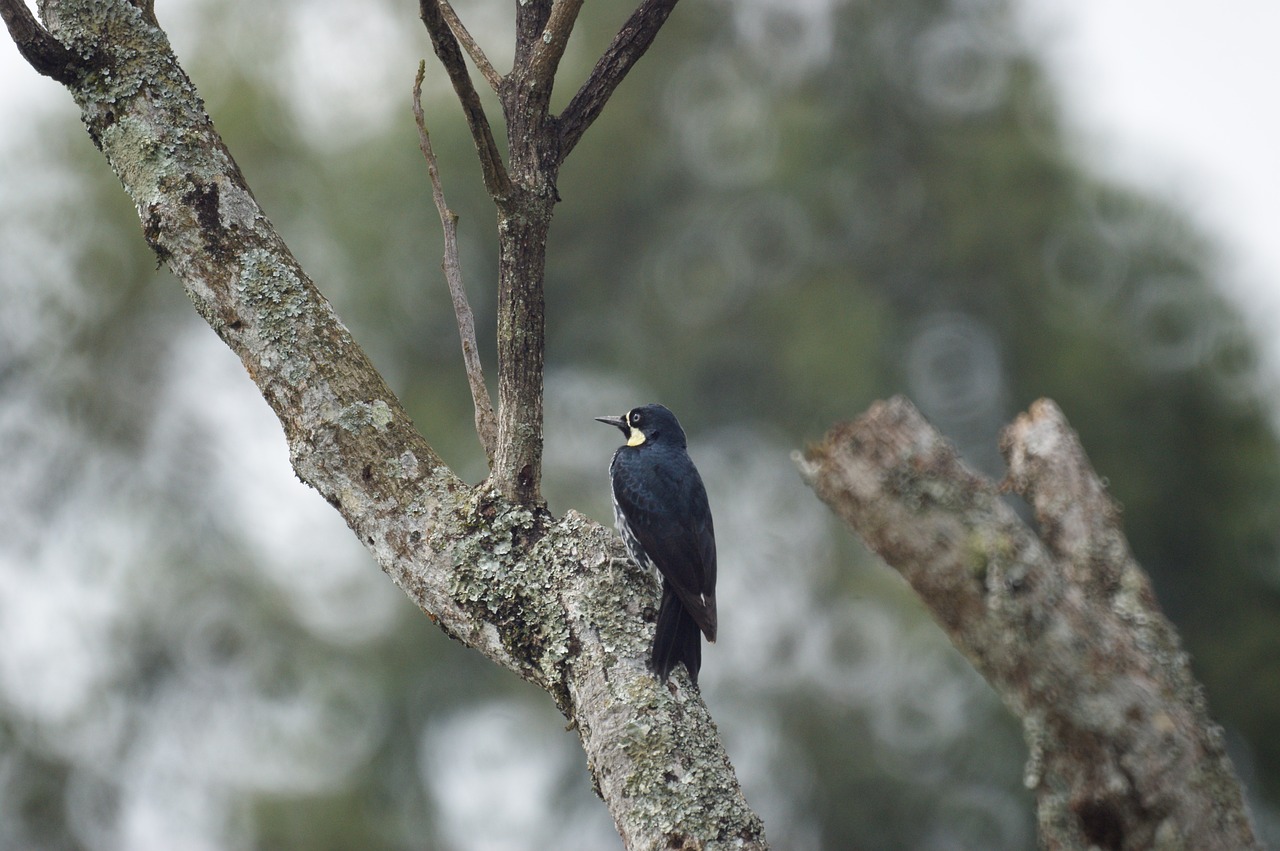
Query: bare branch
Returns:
{"type": "Point", "coordinates": [445, 45]}
{"type": "Point", "coordinates": [41, 50]}
{"type": "Point", "coordinates": [486, 422]}
{"type": "Point", "coordinates": [1066, 629]}
{"type": "Point", "coordinates": [631, 42]}
{"type": "Point", "coordinates": [470, 45]}
{"type": "Point", "coordinates": [1077, 520]}
{"type": "Point", "coordinates": [549, 49]}
{"type": "Point", "coordinates": [531, 19]}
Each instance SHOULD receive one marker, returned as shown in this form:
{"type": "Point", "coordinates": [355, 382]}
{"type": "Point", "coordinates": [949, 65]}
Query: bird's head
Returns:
{"type": "Point", "coordinates": [648, 424]}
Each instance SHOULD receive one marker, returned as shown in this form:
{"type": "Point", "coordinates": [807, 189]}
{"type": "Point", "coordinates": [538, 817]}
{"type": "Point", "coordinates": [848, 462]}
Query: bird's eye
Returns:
{"type": "Point", "coordinates": [635, 418]}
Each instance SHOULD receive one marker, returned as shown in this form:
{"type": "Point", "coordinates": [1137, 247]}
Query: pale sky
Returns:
{"type": "Point", "coordinates": [1181, 97]}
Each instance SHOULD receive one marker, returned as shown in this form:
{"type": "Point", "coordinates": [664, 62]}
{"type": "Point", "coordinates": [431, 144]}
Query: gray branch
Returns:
{"type": "Point", "coordinates": [1064, 624]}
{"type": "Point", "coordinates": [631, 42]}
{"type": "Point", "coordinates": [524, 191]}
{"type": "Point", "coordinates": [549, 48]}
{"type": "Point", "coordinates": [469, 44]}
{"type": "Point", "coordinates": [553, 600]}
{"type": "Point", "coordinates": [486, 422]}
{"type": "Point", "coordinates": [445, 44]}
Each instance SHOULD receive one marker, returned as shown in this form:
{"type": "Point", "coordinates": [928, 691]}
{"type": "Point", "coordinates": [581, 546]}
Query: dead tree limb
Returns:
{"type": "Point", "coordinates": [37, 45]}
{"type": "Point", "coordinates": [632, 41]}
{"type": "Point", "coordinates": [469, 44]}
{"type": "Point", "coordinates": [1063, 624]}
{"type": "Point", "coordinates": [486, 422]}
{"type": "Point", "coordinates": [445, 44]}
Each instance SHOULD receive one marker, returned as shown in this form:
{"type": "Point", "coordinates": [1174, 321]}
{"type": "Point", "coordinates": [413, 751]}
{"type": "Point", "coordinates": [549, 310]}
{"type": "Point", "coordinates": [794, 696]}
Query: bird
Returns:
{"type": "Point", "coordinates": [660, 508]}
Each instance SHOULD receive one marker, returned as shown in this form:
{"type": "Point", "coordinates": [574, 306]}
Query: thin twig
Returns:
{"type": "Point", "coordinates": [486, 422]}
{"type": "Point", "coordinates": [470, 45]}
{"type": "Point", "coordinates": [445, 44]}
{"type": "Point", "coordinates": [631, 42]}
{"type": "Point", "coordinates": [550, 48]}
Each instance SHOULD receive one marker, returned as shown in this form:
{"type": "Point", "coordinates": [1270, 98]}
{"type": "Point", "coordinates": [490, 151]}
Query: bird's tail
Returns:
{"type": "Point", "coordinates": [677, 639]}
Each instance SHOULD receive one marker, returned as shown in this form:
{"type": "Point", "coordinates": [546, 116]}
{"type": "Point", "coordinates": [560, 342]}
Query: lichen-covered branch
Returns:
{"type": "Point", "coordinates": [1064, 625]}
{"type": "Point", "coordinates": [486, 423]}
{"type": "Point", "coordinates": [553, 600]}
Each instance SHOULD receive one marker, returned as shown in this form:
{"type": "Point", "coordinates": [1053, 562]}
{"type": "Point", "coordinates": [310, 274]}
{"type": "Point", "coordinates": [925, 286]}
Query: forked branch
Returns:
{"type": "Point", "coordinates": [469, 44]}
{"type": "Point", "coordinates": [524, 191]}
{"type": "Point", "coordinates": [38, 46]}
{"type": "Point", "coordinates": [445, 45]}
{"type": "Point", "coordinates": [554, 601]}
{"type": "Point", "coordinates": [1063, 623]}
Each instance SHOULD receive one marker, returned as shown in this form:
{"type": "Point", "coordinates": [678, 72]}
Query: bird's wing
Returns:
{"type": "Point", "coordinates": [671, 521]}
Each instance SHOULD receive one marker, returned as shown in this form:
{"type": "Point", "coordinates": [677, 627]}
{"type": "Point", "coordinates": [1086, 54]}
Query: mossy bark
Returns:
{"type": "Point", "coordinates": [1062, 622]}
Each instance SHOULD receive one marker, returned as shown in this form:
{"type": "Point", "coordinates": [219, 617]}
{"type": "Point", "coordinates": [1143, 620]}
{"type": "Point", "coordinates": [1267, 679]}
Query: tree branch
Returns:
{"type": "Point", "coordinates": [531, 19]}
{"type": "Point", "coordinates": [525, 195]}
{"type": "Point", "coordinates": [631, 42]}
{"type": "Point", "coordinates": [42, 51]}
{"type": "Point", "coordinates": [536, 150]}
{"type": "Point", "coordinates": [1065, 627]}
{"type": "Point", "coordinates": [549, 49]}
{"type": "Point", "coordinates": [471, 46]}
{"type": "Point", "coordinates": [555, 601]}
{"type": "Point", "coordinates": [446, 48]}
{"type": "Point", "coordinates": [486, 423]}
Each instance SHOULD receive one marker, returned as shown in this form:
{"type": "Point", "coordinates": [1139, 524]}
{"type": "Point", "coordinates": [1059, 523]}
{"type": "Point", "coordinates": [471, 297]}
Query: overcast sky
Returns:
{"type": "Point", "coordinates": [1180, 97]}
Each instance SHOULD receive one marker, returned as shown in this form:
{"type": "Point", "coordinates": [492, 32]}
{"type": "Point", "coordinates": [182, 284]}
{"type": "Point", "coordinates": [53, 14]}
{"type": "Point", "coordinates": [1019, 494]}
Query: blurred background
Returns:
{"type": "Point", "coordinates": [788, 210]}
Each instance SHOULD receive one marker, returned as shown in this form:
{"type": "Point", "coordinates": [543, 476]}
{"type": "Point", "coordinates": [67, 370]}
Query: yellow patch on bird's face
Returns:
{"type": "Point", "coordinates": [635, 437]}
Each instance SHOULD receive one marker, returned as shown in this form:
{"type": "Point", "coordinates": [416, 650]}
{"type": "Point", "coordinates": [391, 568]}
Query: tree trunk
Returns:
{"type": "Point", "coordinates": [523, 223]}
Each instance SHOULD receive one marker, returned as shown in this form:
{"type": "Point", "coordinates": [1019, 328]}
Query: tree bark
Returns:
{"type": "Point", "coordinates": [1063, 624]}
{"type": "Point", "coordinates": [553, 600]}
{"type": "Point", "coordinates": [523, 225]}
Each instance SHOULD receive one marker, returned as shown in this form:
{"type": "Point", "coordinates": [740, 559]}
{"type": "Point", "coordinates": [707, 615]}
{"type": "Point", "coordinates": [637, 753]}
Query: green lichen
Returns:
{"type": "Point", "coordinates": [990, 557]}
{"type": "Point", "coordinates": [362, 415]}
{"type": "Point", "coordinates": [276, 292]}
{"type": "Point", "coordinates": [494, 574]}
{"type": "Point", "coordinates": [670, 757]}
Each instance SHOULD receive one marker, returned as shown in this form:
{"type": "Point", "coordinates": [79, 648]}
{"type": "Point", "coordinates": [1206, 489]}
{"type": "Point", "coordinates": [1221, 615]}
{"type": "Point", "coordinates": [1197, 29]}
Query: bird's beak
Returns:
{"type": "Point", "coordinates": [616, 422]}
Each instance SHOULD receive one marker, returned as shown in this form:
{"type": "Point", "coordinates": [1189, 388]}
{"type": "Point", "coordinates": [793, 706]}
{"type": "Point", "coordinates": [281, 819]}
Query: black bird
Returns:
{"type": "Point", "coordinates": [660, 507]}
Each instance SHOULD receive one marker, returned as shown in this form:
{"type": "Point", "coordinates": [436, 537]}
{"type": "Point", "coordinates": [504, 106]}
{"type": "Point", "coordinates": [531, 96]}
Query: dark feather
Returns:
{"type": "Point", "coordinates": [676, 639]}
{"type": "Point", "coordinates": [664, 504]}
{"type": "Point", "coordinates": [660, 506]}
